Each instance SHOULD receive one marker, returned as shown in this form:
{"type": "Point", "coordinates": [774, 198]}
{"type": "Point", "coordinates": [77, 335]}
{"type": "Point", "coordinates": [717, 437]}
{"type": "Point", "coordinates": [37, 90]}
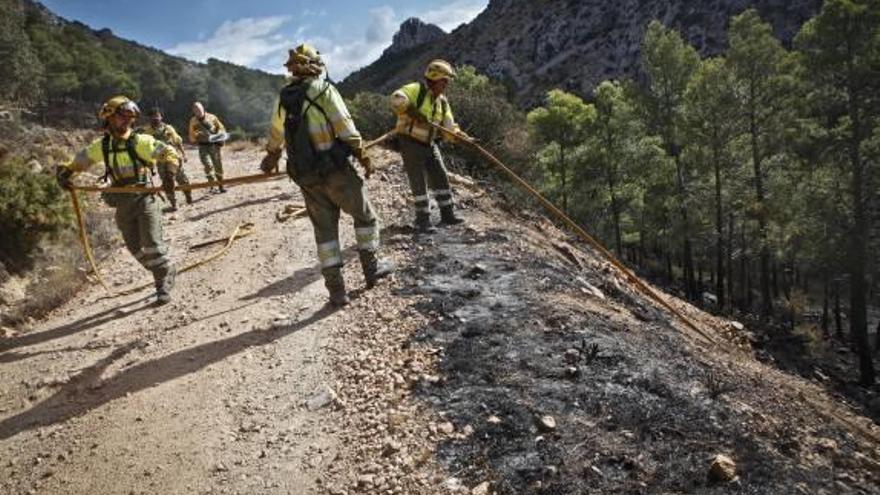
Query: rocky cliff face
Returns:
{"type": "Point", "coordinates": [537, 45]}
{"type": "Point", "coordinates": [413, 32]}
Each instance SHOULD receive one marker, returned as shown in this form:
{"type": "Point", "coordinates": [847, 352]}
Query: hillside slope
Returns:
{"type": "Point", "coordinates": [64, 70]}
{"type": "Point", "coordinates": [441, 380]}
{"type": "Point", "coordinates": [535, 46]}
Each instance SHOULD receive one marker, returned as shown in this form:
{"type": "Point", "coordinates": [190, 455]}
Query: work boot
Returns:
{"type": "Point", "coordinates": [374, 268]}
{"type": "Point", "coordinates": [335, 286]}
{"type": "Point", "coordinates": [172, 204]}
{"type": "Point", "coordinates": [189, 197]}
{"type": "Point", "coordinates": [448, 218]}
{"type": "Point", "coordinates": [221, 189]}
{"type": "Point", "coordinates": [423, 223]}
{"type": "Point", "coordinates": [165, 279]}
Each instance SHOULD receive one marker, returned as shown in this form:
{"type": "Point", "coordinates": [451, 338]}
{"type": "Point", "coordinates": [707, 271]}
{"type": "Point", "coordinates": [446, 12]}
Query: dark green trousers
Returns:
{"type": "Point", "coordinates": [209, 154]}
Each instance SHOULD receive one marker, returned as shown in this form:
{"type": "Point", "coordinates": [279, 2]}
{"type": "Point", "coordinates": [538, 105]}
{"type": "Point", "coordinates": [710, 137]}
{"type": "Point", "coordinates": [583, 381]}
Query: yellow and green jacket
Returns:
{"type": "Point", "coordinates": [321, 131]}
{"type": "Point", "coordinates": [201, 129]}
{"type": "Point", "coordinates": [165, 133]}
{"type": "Point", "coordinates": [434, 110]}
{"type": "Point", "coordinates": [121, 170]}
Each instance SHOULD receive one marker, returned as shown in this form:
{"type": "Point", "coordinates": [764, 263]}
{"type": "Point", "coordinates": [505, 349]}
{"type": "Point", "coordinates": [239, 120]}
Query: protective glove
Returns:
{"type": "Point", "coordinates": [64, 177]}
{"type": "Point", "coordinates": [270, 161]}
{"type": "Point", "coordinates": [361, 155]}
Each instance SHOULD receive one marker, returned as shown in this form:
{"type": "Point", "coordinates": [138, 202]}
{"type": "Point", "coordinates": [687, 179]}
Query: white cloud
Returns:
{"type": "Point", "coordinates": [262, 43]}
{"type": "Point", "coordinates": [242, 41]}
{"type": "Point", "coordinates": [342, 57]}
{"type": "Point", "coordinates": [455, 13]}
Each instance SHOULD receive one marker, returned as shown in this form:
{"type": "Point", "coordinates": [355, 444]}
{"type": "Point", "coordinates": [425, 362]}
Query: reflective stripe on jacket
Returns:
{"type": "Point", "coordinates": [328, 98]}
{"type": "Point", "coordinates": [201, 129]}
{"type": "Point", "coordinates": [433, 110]}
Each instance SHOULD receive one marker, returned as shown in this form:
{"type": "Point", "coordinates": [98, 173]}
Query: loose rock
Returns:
{"type": "Point", "coordinates": [723, 469]}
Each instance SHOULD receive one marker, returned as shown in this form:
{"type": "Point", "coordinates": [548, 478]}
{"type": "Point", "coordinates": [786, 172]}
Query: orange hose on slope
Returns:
{"type": "Point", "coordinates": [559, 214]}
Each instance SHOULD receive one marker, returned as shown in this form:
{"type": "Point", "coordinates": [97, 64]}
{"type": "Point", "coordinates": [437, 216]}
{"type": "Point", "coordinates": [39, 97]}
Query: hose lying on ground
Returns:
{"type": "Point", "coordinates": [559, 214]}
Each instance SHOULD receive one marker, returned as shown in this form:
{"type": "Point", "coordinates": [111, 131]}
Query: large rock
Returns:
{"type": "Point", "coordinates": [413, 32]}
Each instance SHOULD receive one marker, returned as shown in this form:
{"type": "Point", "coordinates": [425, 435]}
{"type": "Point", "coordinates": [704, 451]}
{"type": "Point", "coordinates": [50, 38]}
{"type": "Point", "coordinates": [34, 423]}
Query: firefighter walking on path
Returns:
{"type": "Point", "coordinates": [129, 159]}
{"type": "Point", "coordinates": [206, 130]}
{"type": "Point", "coordinates": [321, 139]}
{"type": "Point", "coordinates": [416, 104]}
{"type": "Point", "coordinates": [168, 172]}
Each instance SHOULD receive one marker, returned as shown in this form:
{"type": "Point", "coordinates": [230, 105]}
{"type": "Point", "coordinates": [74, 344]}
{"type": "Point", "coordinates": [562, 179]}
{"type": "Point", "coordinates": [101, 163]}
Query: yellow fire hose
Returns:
{"type": "Point", "coordinates": [246, 228]}
{"type": "Point", "coordinates": [559, 214]}
{"type": "Point", "coordinates": [84, 239]}
{"type": "Point", "coordinates": [241, 230]}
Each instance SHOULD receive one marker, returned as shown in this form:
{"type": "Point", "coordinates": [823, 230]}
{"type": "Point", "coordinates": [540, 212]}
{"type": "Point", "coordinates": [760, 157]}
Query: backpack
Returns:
{"type": "Point", "coordinates": [306, 165]}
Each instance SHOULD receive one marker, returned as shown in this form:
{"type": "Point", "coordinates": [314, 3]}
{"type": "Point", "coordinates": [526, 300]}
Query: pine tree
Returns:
{"type": "Point", "coordinates": [764, 72]}
{"type": "Point", "coordinates": [670, 64]}
{"type": "Point", "coordinates": [841, 48]}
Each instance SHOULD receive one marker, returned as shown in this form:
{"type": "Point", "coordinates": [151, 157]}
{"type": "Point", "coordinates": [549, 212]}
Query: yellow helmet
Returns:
{"type": "Point", "coordinates": [439, 69]}
{"type": "Point", "coordinates": [304, 60]}
{"type": "Point", "coordinates": [118, 104]}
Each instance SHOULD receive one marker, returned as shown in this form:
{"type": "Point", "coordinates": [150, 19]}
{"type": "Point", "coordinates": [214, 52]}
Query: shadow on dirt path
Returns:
{"type": "Point", "coordinates": [86, 391]}
{"type": "Point", "coordinates": [113, 314]}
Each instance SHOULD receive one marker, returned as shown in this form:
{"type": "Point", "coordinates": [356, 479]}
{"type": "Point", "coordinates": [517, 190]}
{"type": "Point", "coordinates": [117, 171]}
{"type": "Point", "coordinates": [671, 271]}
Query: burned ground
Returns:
{"type": "Point", "coordinates": [638, 407]}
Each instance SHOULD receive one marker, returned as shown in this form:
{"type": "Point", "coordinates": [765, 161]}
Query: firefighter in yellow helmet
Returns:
{"type": "Point", "coordinates": [416, 104]}
{"type": "Point", "coordinates": [129, 160]}
{"type": "Point", "coordinates": [206, 130]}
{"type": "Point", "coordinates": [313, 124]}
{"type": "Point", "coordinates": [169, 173]}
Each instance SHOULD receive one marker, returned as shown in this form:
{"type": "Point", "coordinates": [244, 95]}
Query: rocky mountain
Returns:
{"type": "Point", "coordinates": [537, 45]}
{"type": "Point", "coordinates": [412, 33]}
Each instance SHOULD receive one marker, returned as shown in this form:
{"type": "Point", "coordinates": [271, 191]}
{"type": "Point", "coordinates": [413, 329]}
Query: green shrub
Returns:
{"type": "Point", "coordinates": [31, 207]}
{"type": "Point", "coordinates": [372, 114]}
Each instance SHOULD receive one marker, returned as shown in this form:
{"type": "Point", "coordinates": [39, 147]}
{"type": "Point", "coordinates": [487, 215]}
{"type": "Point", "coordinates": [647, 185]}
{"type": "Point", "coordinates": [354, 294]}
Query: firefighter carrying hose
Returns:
{"type": "Point", "coordinates": [312, 122]}
{"type": "Point", "coordinates": [129, 159]}
{"type": "Point", "coordinates": [416, 104]}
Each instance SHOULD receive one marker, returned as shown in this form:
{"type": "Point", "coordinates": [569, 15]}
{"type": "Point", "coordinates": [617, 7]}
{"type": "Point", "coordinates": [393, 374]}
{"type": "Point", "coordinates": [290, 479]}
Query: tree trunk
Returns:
{"type": "Point", "coordinates": [775, 279]}
{"type": "Point", "coordinates": [825, 284]}
{"type": "Point", "coordinates": [687, 250]}
{"type": "Point", "coordinates": [729, 253]}
{"type": "Point", "coordinates": [615, 211]}
{"type": "Point", "coordinates": [766, 297]}
{"type": "Point", "coordinates": [719, 234]}
{"type": "Point", "coordinates": [744, 285]}
{"type": "Point", "coordinates": [877, 337]}
{"type": "Point", "coordinates": [563, 172]}
{"type": "Point", "coordinates": [838, 317]}
{"type": "Point", "coordinates": [858, 306]}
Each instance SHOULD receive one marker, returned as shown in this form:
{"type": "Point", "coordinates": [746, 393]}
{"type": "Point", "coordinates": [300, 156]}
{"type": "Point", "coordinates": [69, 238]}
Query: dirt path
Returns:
{"type": "Point", "coordinates": [206, 393]}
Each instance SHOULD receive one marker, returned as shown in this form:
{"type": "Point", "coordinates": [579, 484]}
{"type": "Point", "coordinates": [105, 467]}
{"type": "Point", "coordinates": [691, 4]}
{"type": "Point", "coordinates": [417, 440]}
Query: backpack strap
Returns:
{"type": "Point", "coordinates": [138, 163]}
{"type": "Point", "coordinates": [420, 99]}
{"type": "Point", "coordinates": [423, 92]}
{"type": "Point", "coordinates": [313, 103]}
{"type": "Point", "coordinates": [108, 169]}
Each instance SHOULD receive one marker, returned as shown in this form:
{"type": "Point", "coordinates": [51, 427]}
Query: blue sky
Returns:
{"type": "Point", "coordinates": [349, 33]}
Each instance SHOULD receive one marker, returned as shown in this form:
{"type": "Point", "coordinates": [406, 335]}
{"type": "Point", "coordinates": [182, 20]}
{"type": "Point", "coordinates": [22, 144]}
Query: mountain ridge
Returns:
{"type": "Point", "coordinates": [533, 47]}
